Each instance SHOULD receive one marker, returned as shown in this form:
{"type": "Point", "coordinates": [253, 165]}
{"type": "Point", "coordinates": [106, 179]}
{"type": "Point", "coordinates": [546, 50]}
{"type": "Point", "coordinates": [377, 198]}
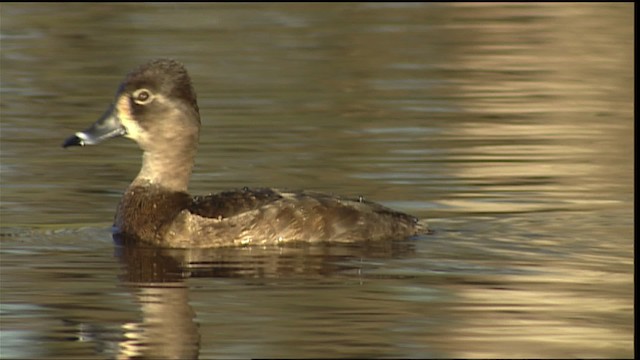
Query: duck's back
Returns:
{"type": "Point", "coordinates": [270, 216]}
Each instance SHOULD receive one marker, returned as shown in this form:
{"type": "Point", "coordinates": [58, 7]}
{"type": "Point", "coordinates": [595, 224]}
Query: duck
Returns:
{"type": "Point", "coordinates": [156, 106]}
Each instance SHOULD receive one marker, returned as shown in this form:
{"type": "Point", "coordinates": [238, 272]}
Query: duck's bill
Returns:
{"type": "Point", "coordinates": [107, 127]}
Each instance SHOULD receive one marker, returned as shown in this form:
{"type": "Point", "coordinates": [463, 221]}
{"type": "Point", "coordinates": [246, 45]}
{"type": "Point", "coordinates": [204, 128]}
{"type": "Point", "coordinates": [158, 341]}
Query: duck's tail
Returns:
{"type": "Point", "coordinates": [422, 227]}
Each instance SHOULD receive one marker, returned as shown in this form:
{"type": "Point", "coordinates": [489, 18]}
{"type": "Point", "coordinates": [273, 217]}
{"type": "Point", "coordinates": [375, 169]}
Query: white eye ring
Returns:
{"type": "Point", "coordinates": [142, 96]}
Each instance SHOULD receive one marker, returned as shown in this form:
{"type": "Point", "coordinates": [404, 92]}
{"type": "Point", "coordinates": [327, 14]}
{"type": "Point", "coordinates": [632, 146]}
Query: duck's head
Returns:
{"type": "Point", "coordinates": [156, 107]}
{"type": "Point", "coordinates": [155, 104]}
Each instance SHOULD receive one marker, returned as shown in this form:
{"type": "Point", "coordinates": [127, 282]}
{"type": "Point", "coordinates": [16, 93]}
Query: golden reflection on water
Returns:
{"type": "Point", "coordinates": [495, 312]}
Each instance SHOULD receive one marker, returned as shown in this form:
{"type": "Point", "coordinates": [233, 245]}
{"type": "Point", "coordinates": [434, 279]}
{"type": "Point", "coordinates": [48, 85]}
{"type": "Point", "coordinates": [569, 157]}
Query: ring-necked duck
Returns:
{"type": "Point", "coordinates": [156, 107]}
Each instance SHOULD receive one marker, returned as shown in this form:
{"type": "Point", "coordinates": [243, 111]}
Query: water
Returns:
{"type": "Point", "coordinates": [509, 126]}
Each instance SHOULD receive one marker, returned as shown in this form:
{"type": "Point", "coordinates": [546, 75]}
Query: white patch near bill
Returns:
{"type": "Point", "coordinates": [85, 139]}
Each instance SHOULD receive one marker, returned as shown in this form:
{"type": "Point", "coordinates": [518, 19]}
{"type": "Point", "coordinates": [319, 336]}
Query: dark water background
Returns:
{"type": "Point", "coordinates": [510, 126]}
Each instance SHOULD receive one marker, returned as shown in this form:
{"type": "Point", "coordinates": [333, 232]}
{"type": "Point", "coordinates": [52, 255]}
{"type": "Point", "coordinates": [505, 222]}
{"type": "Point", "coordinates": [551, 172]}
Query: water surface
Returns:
{"type": "Point", "coordinates": [509, 126]}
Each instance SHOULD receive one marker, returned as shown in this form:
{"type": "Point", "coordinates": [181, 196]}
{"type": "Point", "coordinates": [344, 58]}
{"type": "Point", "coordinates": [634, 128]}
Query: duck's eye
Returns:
{"type": "Point", "coordinates": [142, 96]}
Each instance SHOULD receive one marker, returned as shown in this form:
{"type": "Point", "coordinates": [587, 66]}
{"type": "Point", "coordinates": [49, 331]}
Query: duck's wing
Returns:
{"type": "Point", "coordinates": [231, 203]}
{"type": "Point", "coordinates": [264, 216]}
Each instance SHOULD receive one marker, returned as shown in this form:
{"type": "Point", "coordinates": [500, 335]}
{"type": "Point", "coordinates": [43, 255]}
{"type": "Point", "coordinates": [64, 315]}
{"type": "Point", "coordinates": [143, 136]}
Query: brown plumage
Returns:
{"type": "Point", "coordinates": [156, 106]}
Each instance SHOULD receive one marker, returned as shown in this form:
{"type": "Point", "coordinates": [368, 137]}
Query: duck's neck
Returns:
{"type": "Point", "coordinates": [146, 211]}
{"type": "Point", "coordinates": [170, 171]}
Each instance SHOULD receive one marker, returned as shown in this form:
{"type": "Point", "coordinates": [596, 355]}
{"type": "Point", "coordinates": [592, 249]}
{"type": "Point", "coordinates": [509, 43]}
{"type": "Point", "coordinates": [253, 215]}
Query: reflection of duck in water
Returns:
{"type": "Point", "coordinates": [163, 325]}
{"type": "Point", "coordinates": [168, 329]}
{"type": "Point", "coordinates": [156, 106]}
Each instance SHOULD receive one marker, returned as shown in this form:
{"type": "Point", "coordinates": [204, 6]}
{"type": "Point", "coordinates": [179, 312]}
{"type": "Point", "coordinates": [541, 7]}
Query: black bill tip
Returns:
{"type": "Point", "coordinates": [73, 141]}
